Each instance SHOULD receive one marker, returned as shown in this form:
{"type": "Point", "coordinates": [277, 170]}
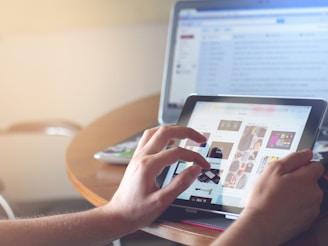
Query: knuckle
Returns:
{"type": "Point", "coordinates": [148, 132]}
{"type": "Point", "coordinates": [143, 161]}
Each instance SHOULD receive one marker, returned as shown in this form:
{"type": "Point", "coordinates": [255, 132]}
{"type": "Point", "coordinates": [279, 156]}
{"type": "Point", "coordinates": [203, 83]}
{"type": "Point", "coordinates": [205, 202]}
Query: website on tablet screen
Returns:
{"type": "Point", "coordinates": [242, 140]}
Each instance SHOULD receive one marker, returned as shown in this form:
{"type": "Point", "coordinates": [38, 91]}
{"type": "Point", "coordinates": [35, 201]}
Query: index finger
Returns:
{"type": "Point", "coordinates": [147, 134]}
{"type": "Point", "coordinates": [170, 156]}
{"type": "Point", "coordinates": [164, 134]}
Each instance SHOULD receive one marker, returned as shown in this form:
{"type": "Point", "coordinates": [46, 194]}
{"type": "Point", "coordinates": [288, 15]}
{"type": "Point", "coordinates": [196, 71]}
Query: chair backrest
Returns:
{"type": "Point", "coordinates": [48, 127]}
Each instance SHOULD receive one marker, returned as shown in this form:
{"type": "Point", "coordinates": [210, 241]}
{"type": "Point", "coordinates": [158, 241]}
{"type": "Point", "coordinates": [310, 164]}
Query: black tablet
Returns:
{"type": "Point", "coordinates": [245, 134]}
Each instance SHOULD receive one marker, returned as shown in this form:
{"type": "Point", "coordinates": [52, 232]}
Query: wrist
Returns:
{"type": "Point", "coordinates": [116, 221]}
{"type": "Point", "coordinates": [257, 228]}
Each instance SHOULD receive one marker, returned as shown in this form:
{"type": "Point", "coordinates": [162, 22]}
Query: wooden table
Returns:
{"type": "Point", "coordinates": [97, 182]}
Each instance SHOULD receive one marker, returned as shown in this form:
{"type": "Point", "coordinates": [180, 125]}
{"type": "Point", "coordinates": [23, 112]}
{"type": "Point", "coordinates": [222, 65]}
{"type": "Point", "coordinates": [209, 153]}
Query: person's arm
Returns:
{"type": "Point", "coordinates": [137, 202]}
{"type": "Point", "coordinates": [284, 201]}
{"type": "Point", "coordinates": [90, 227]}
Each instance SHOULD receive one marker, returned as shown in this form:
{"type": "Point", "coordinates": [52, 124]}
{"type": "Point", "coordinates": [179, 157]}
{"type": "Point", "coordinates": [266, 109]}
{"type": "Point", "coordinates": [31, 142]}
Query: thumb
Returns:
{"type": "Point", "coordinates": [295, 160]}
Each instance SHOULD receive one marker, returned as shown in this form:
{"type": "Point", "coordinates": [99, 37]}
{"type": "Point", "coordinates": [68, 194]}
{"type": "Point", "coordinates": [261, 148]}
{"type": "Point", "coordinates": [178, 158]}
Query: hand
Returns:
{"type": "Point", "coordinates": [137, 202]}
{"type": "Point", "coordinates": [286, 198]}
{"type": "Point", "coordinates": [138, 199]}
{"type": "Point", "coordinates": [284, 201]}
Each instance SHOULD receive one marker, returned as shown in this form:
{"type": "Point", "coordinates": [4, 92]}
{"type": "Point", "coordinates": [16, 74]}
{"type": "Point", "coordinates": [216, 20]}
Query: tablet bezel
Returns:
{"type": "Point", "coordinates": [309, 136]}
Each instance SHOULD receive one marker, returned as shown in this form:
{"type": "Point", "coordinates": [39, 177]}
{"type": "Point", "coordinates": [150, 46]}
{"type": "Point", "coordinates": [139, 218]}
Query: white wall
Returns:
{"type": "Point", "coordinates": [77, 75]}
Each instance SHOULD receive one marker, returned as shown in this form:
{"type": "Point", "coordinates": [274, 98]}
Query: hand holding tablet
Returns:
{"type": "Point", "coordinates": [284, 201]}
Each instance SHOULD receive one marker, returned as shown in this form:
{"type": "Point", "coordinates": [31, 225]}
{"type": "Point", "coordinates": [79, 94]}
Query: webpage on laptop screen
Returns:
{"type": "Point", "coordinates": [251, 52]}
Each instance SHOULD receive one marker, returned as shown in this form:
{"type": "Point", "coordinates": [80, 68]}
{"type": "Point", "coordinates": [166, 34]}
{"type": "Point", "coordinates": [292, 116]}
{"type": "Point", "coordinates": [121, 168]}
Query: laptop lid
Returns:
{"type": "Point", "coordinates": [249, 47]}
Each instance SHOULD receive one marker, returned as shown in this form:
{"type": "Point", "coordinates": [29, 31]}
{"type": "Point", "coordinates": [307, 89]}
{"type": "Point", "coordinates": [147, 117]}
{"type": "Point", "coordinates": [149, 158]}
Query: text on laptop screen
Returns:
{"type": "Point", "coordinates": [271, 52]}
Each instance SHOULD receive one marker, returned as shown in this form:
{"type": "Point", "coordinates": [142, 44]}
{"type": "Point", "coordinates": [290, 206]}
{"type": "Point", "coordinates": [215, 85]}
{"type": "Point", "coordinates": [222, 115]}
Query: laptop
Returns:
{"type": "Point", "coordinates": [249, 47]}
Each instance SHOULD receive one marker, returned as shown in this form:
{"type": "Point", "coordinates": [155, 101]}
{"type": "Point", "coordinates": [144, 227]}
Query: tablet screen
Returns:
{"type": "Point", "coordinates": [243, 137]}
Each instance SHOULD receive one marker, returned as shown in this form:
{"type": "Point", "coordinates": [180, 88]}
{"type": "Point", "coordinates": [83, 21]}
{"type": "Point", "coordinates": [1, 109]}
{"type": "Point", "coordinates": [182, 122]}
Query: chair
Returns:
{"type": "Point", "coordinates": [47, 127]}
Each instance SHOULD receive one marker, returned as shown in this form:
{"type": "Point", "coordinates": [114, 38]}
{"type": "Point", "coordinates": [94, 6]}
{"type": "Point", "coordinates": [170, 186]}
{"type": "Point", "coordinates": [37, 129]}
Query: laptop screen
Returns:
{"type": "Point", "coordinates": [257, 48]}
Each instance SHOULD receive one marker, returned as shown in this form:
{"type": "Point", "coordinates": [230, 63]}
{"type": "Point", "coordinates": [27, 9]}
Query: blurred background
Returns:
{"type": "Point", "coordinates": [73, 60]}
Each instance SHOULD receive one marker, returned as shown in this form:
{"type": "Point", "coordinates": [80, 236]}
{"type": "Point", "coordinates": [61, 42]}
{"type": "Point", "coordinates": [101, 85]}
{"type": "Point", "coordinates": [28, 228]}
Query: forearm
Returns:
{"type": "Point", "coordinates": [84, 228]}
